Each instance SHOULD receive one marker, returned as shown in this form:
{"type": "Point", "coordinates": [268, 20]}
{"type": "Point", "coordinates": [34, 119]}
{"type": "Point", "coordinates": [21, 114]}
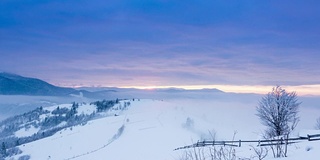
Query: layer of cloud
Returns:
{"type": "Point", "coordinates": [137, 43]}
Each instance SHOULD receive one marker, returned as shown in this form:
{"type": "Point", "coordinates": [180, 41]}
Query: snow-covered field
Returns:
{"type": "Point", "coordinates": [152, 129]}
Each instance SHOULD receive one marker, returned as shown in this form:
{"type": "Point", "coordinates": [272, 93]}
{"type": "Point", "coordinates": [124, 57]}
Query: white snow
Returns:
{"type": "Point", "coordinates": [86, 109]}
{"type": "Point", "coordinates": [152, 129]}
{"type": "Point", "coordinates": [23, 132]}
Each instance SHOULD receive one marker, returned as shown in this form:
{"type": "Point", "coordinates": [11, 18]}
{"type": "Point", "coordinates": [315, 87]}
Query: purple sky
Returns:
{"type": "Point", "coordinates": [162, 42]}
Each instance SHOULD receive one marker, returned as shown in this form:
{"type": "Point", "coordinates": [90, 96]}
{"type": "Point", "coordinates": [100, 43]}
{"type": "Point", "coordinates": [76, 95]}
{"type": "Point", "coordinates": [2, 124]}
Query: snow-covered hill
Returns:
{"type": "Point", "coordinates": [152, 129]}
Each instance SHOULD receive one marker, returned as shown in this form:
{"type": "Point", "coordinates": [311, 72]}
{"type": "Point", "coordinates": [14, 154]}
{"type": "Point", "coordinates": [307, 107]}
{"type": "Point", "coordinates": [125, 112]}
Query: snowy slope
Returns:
{"type": "Point", "coordinates": [144, 124]}
{"type": "Point", "coordinates": [151, 129]}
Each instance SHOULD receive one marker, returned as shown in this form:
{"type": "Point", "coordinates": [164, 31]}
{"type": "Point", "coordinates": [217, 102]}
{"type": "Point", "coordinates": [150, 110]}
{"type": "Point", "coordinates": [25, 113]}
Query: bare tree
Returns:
{"type": "Point", "coordinates": [278, 111]}
{"type": "Point", "coordinates": [260, 152]}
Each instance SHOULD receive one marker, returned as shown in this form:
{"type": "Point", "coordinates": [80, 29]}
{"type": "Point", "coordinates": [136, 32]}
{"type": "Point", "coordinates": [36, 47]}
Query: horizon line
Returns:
{"type": "Point", "coordinates": [305, 90]}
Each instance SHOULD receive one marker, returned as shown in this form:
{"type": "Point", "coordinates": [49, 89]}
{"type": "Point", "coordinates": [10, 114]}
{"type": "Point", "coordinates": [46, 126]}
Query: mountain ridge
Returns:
{"type": "Point", "coordinates": [13, 84]}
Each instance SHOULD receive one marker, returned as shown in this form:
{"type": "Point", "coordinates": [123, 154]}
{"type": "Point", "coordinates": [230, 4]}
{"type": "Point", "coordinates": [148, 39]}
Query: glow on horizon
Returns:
{"type": "Point", "coordinates": [306, 90]}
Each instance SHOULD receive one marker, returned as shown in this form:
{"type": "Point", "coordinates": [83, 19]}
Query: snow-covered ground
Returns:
{"type": "Point", "coordinates": [25, 132]}
{"type": "Point", "coordinates": [152, 129]}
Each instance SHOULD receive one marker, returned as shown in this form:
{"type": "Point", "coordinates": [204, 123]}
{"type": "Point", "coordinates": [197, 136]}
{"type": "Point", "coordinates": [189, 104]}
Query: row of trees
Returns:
{"type": "Point", "coordinates": [106, 105]}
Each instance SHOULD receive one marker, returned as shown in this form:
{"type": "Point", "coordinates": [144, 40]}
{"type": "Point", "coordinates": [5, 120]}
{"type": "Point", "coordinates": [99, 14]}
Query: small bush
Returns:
{"type": "Point", "coordinates": [189, 124]}
{"type": "Point", "coordinates": [308, 148]}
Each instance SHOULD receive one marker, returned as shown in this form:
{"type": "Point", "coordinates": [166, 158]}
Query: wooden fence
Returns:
{"type": "Point", "coordinates": [238, 143]}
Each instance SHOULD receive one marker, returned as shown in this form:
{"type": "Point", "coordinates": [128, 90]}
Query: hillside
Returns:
{"type": "Point", "coordinates": [12, 84]}
{"type": "Point", "coordinates": [20, 94]}
{"type": "Point", "coordinates": [152, 129]}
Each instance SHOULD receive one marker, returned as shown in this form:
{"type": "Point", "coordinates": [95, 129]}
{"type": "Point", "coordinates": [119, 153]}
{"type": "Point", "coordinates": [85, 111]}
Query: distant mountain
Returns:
{"type": "Point", "coordinates": [181, 90]}
{"type": "Point", "coordinates": [160, 90]}
{"type": "Point", "coordinates": [12, 84]}
{"type": "Point", "coordinates": [99, 89]}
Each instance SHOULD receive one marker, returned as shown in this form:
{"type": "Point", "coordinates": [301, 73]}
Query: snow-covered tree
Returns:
{"type": "Point", "coordinates": [278, 111]}
{"type": "Point", "coordinates": [3, 149]}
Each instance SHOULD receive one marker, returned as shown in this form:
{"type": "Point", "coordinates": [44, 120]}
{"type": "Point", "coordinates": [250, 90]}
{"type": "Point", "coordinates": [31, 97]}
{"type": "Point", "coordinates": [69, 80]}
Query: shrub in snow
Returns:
{"type": "Point", "coordinates": [189, 124]}
{"type": "Point", "coordinates": [308, 148]}
{"type": "Point", "coordinates": [260, 152]}
{"type": "Point", "coordinates": [212, 152]}
{"type": "Point", "coordinates": [278, 111]}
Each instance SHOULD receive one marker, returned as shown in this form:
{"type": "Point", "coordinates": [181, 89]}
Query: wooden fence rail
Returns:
{"type": "Point", "coordinates": [238, 143]}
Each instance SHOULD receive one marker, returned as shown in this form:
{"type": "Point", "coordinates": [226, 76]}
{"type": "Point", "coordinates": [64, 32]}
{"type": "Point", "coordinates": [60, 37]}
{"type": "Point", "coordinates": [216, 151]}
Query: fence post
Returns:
{"type": "Point", "coordinates": [308, 137]}
{"type": "Point", "coordinates": [240, 143]}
